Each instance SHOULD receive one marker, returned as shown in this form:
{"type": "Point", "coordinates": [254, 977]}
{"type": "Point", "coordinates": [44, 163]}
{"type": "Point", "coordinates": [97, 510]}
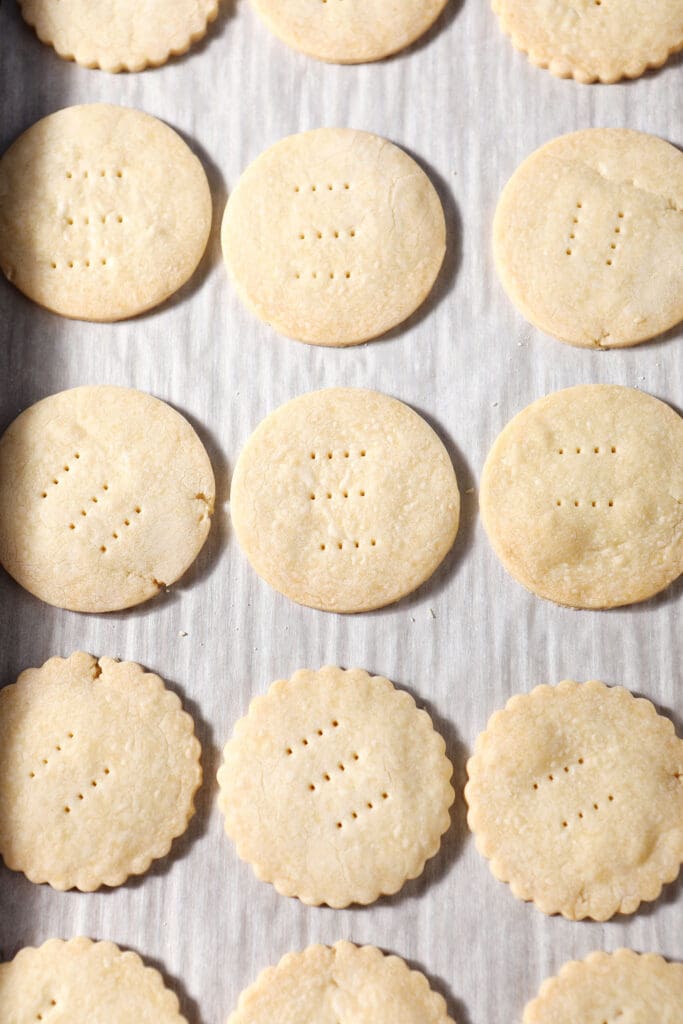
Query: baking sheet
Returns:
{"type": "Point", "coordinates": [469, 108]}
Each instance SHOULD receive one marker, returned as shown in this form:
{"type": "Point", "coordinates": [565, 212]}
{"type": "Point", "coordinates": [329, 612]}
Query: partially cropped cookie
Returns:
{"type": "Point", "coordinates": [334, 236]}
{"type": "Point", "coordinates": [81, 981]}
{"type": "Point", "coordinates": [104, 211]}
{"type": "Point", "coordinates": [351, 32]}
{"type": "Point", "coordinates": [128, 37]}
{"type": "Point", "coordinates": [582, 496]}
{"type": "Point", "coordinates": [339, 983]}
{"type": "Point", "coordinates": [575, 796]}
{"type": "Point", "coordinates": [345, 500]}
{"type": "Point", "coordinates": [588, 237]}
{"type": "Point", "coordinates": [99, 765]}
{"type": "Point", "coordinates": [335, 787]}
{"type": "Point", "coordinates": [107, 495]}
{"type": "Point", "coordinates": [606, 987]}
{"type": "Point", "coordinates": [594, 40]}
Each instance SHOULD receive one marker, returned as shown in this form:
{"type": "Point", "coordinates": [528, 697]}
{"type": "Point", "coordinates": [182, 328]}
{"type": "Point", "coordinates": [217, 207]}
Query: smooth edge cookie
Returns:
{"type": "Point", "coordinates": [97, 58]}
{"type": "Point", "coordinates": [487, 842]}
{"type": "Point", "coordinates": [587, 971]}
{"type": "Point", "coordinates": [306, 891]}
{"type": "Point", "coordinates": [286, 970]}
{"type": "Point", "coordinates": [91, 878]}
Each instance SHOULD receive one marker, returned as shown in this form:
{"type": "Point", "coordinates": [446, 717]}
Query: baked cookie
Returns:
{"type": "Point", "coordinates": [339, 983]}
{"type": "Point", "coordinates": [126, 37]}
{"type": "Point", "coordinates": [84, 982]}
{"type": "Point", "coordinates": [98, 769]}
{"type": "Point", "coordinates": [593, 40]}
{"type": "Point", "coordinates": [575, 796]}
{"type": "Point", "coordinates": [582, 496]}
{"type": "Point", "coordinates": [344, 500]}
{"type": "Point", "coordinates": [588, 237]}
{"type": "Point", "coordinates": [334, 236]}
{"type": "Point", "coordinates": [352, 32]}
{"type": "Point", "coordinates": [363, 777]}
{"type": "Point", "coordinates": [107, 498]}
{"type": "Point", "coordinates": [104, 212]}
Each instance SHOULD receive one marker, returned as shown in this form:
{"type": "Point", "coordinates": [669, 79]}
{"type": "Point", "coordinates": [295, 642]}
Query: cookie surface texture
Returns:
{"type": "Point", "coordinates": [588, 238]}
{"type": "Point", "coordinates": [582, 496]}
{"type": "Point", "coordinates": [98, 769]}
{"type": "Point", "coordinates": [575, 797]}
{"type": "Point", "coordinates": [352, 32]}
{"type": "Point", "coordinates": [335, 787]}
{"type": "Point", "coordinates": [106, 497]}
{"type": "Point", "coordinates": [104, 212]}
{"type": "Point", "coordinates": [126, 36]}
{"type": "Point", "coordinates": [610, 986]}
{"type": "Point", "coordinates": [334, 236]}
{"type": "Point", "coordinates": [344, 500]}
{"type": "Point", "coordinates": [323, 985]}
{"type": "Point", "coordinates": [594, 40]}
{"type": "Point", "coordinates": [84, 982]}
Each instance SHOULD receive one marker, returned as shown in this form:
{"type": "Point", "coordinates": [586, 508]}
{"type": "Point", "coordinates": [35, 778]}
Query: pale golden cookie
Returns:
{"type": "Point", "coordinates": [104, 212]}
{"type": "Point", "coordinates": [106, 497]}
{"type": "Point", "coordinates": [83, 982]}
{"type": "Point", "coordinates": [594, 40]}
{"type": "Point", "coordinates": [345, 500]}
{"type": "Point", "coordinates": [349, 31]}
{"type": "Point", "coordinates": [340, 983]}
{"type": "Point", "coordinates": [582, 496]}
{"type": "Point", "coordinates": [125, 36]}
{"type": "Point", "coordinates": [611, 988]}
{"type": "Point", "coordinates": [334, 236]}
{"type": "Point", "coordinates": [335, 787]}
{"type": "Point", "coordinates": [98, 769]}
{"type": "Point", "coordinates": [588, 237]}
{"type": "Point", "coordinates": [575, 796]}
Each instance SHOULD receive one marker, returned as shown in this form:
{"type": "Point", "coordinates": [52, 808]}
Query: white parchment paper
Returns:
{"type": "Point", "coordinates": [469, 108]}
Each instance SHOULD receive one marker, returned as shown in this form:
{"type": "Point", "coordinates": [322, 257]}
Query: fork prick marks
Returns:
{"type": "Point", "coordinates": [58, 747]}
{"type": "Point", "coordinates": [65, 468]}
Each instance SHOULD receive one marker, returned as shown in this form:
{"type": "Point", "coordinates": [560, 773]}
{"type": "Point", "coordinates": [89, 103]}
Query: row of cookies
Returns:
{"type": "Point", "coordinates": [590, 43]}
{"type": "Point", "coordinates": [334, 236]}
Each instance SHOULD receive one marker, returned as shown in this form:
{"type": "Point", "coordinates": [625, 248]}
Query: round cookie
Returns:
{"type": "Point", "coordinates": [127, 36]}
{"type": "Point", "coordinates": [334, 236]}
{"type": "Point", "coordinates": [340, 983]}
{"type": "Point", "coordinates": [640, 989]}
{"type": "Point", "coordinates": [594, 40]}
{"type": "Point", "coordinates": [575, 796]}
{"type": "Point", "coordinates": [588, 237]}
{"type": "Point", "coordinates": [98, 769]}
{"type": "Point", "coordinates": [344, 500]}
{"type": "Point", "coordinates": [361, 774]}
{"type": "Point", "coordinates": [84, 982]}
{"type": "Point", "coordinates": [107, 498]}
{"type": "Point", "coordinates": [582, 496]}
{"type": "Point", "coordinates": [352, 32]}
{"type": "Point", "coordinates": [104, 212]}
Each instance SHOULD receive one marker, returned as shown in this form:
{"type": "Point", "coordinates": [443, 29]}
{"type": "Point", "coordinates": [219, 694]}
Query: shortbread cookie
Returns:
{"type": "Point", "coordinates": [106, 498]}
{"type": "Point", "coordinates": [335, 787]}
{"type": "Point", "coordinates": [588, 236]}
{"type": "Point", "coordinates": [326, 984]}
{"type": "Point", "coordinates": [582, 496]}
{"type": "Point", "coordinates": [129, 36]}
{"type": "Point", "coordinates": [104, 212]}
{"type": "Point", "coordinates": [334, 236]}
{"type": "Point", "coordinates": [351, 32]}
{"type": "Point", "coordinates": [593, 40]}
{"type": "Point", "coordinates": [576, 798]}
{"type": "Point", "coordinates": [83, 982]}
{"type": "Point", "coordinates": [611, 987]}
{"type": "Point", "coordinates": [345, 500]}
{"type": "Point", "coordinates": [98, 769]}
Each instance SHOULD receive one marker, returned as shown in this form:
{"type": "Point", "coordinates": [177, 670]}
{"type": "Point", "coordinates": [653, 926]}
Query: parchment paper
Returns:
{"type": "Point", "coordinates": [469, 108]}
